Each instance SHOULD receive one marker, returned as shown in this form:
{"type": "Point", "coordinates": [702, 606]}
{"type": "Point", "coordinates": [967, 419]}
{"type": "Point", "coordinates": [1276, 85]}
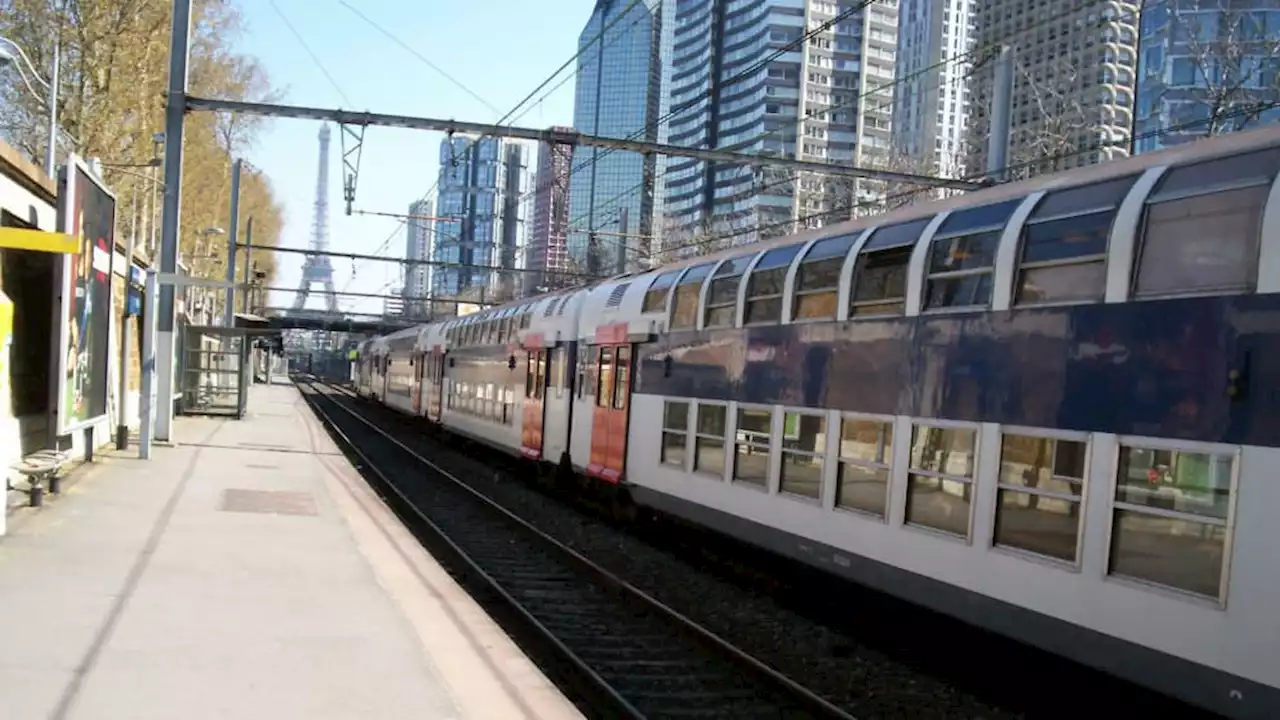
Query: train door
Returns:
{"type": "Point", "coordinates": [435, 383]}
{"type": "Point", "coordinates": [419, 365]}
{"type": "Point", "coordinates": [609, 417]}
{"type": "Point", "coordinates": [535, 390]}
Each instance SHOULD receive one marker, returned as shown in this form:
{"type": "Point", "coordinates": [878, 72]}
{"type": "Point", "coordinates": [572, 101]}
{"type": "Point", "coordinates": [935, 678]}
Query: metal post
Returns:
{"type": "Point", "coordinates": [175, 112]}
{"type": "Point", "coordinates": [148, 364]}
{"type": "Point", "coordinates": [229, 312]}
{"type": "Point", "coordinates": [1001, 112]}
{"type": "Point", "coordinates": [50, 158]}
{"type": "Point", "coordinates": [248, 248]}
{"type": "Point", "coordinates": [122, 394]}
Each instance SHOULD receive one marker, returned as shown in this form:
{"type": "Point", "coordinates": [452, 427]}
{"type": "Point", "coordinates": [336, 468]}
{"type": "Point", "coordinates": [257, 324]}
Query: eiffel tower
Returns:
{"type": "Point", "coordinates": [316, 267]}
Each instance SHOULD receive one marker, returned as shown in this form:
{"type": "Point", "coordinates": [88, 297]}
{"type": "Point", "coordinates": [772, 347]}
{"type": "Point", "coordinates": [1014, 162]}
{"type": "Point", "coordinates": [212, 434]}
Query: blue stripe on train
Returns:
{"type": "Point", "coordinates": [1159, 368]}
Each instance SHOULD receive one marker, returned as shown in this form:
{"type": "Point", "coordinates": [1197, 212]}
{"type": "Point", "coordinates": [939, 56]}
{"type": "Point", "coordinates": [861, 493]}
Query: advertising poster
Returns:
{"type": "Point", "coordinates": [88, 213]}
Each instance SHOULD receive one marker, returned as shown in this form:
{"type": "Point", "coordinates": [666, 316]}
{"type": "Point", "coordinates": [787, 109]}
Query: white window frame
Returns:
{"type": "Point", "coordinates": [767, 445]}
{"type": "Point", "coordinates": [972, 481]}
{"type": "Point", "coordinates": [725, 468]}
{"type": "Point", "coordinates": [1083, 499]}
{"type": "Point", "coordinates": [887, 466]}
{"type": "Point", "coordinates": [989, 270]}
{"type": "Point", "coordinates": [783, 451]}
{"type": "Point", "coordinates": [686, 433]}
{"type": "Point", "coordinates": [1189, 446]}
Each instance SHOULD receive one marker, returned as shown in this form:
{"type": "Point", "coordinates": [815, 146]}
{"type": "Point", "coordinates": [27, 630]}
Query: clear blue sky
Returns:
{"type": "Point", "coordinates": [499, 49]}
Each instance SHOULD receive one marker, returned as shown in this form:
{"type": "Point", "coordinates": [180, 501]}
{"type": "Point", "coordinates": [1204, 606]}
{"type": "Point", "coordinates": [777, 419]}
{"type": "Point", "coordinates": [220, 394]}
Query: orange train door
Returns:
{"type": "Point", "coordinates": [435, 383]}
{"type": "Point", "coordinates": [535, 388]}
{"type": "Point", "coordinates": [609, 417]}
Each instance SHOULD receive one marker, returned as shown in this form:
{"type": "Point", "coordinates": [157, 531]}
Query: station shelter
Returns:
{"type": "Point", "coordinates": [65, 288]}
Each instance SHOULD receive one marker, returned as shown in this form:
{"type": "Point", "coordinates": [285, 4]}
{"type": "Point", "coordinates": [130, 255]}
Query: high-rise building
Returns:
{"type": "Point", "coordinates": [931, 99]}
{"type": "Point", "coordinates": [617, 95]}
{"type": "Point", "coordinates": [1073, 89]}
{"type": "Point", "coordinates": [513, 183]}
{"type": "Point", "coordinates": [547, 251]}
{"type": "Point", "coordinates": [481, 181]}
{"type": "Point", "coordinates": [736, 86]}
{"type": "Point", "coordinates": [394, 306]}
{"type": "Point", "coordinates": [1206, 68]}
{"type": "Point", "coordinates": [417, 246]}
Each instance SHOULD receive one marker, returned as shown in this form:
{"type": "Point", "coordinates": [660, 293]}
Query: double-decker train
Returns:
{"type": "Point", "coordinates": [1050, 408]}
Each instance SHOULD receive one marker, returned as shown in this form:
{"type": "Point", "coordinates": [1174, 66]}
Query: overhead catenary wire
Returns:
{"type": "Point", "coordinates": [314, 58]}
{"type": "Point", "coordinates": [508, 116]}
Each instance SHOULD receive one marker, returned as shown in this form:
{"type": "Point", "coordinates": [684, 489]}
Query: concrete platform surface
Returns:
{"type": "Point", "coordinates": [248, 572]}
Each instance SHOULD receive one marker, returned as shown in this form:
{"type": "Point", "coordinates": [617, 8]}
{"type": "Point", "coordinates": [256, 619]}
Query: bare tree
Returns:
{"type": "Point", "coordinates": [1226, 67]}
{"type": "Point", "coordinates": [1051, 140]}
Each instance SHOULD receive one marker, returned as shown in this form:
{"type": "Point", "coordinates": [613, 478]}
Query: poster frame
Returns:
{"type": "Point", "coordinates": [63, 294]}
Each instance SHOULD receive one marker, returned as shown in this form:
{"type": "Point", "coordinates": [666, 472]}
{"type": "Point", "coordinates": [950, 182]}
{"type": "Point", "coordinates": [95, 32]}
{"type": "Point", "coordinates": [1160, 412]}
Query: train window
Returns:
{"type": "Point", "coordinates": [751, 447]}
{"type": "Point", "coordinates": [764, 287]}
{"type": "Point", "coordinates": [675, 432]}
{"type": "Point", "coordinates": [604, 377]}
{"type": "Point", "coordinates": [684, 305]}
{"type": "Point", "coordinates": [560, 370]}
{"type": "Point", "coordinates": [803, 447]}
{"type": "Point", "coordinates": [525, 319]}
{"type": "Point", "coordinates": [1204, 243]}
{"type": "Point", "coordinates": [1039, 493]}
{"type": "Point", "coordinates": [818, 278]}
{"type": "Point", "coordinates": [583, 365]}
{"type": "Point", "coordinates": [1064, 247]}
{"type": "Point", "coordinates": [962, 254]}
{"type": "Point", "coordinates": [539, 374]}
{"type": "Point", "coordinates": [722, 296]}
{"type": "Point", "coordinates": [1170, 518]}
{"type": "Point", "coordinates": [708, 442]}
{"type": "Point", "coordinates": [880, 276]}
{"type": "Point", "coordinates": [866, 454]}
{"type": "Point", "coordinates": [655, 298]}
{"type": "Point", "coordinates": [940, 479]}
{"type": "Point", "coordinates": [622, 378]}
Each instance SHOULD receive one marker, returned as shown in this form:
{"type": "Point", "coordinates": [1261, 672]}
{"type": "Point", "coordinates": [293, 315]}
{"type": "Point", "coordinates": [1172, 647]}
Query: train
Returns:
{"type": "Point", "coordinates": [1049, 408]}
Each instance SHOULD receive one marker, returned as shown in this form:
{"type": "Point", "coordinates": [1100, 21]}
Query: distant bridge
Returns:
{"type": "Point", "coordinates": [315, 321]}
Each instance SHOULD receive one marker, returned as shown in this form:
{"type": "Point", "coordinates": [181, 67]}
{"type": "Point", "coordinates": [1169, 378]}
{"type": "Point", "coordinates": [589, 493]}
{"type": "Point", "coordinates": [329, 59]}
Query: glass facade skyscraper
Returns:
{"type": "Point", "coordinates": [1205, 68]}
{"type": "Point", "coordinates": [736, 85]}
{"type": "Point", "coordinates": [417, 246]}
{"type": "Point", "coordinates": [611, 196]}
{"type": "Point", "coordinates": [479, 191]}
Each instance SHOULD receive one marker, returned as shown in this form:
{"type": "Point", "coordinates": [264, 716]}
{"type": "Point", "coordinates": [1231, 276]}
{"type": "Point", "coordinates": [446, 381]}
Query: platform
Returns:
{"type": "Point", "coordinates": [247, 572]}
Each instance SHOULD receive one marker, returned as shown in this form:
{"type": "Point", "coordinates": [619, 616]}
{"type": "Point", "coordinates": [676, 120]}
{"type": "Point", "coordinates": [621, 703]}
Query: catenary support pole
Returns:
{"type": "Point", "coordinates": [1001, 113]}
{"type": "Point", "coordinates": [229, 312]}
{"type": "Point", "coordinates": [175, 114]}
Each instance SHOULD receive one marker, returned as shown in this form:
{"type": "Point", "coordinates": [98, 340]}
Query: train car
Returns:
{"type": "Point", "coordinates": [370, 378]}
{"type": "Point", "coordinates": [1048, 408]}
{"type": "Point", "coordinates": [484, 377]}
{"type": "Point", "coordinates": [400, 382]}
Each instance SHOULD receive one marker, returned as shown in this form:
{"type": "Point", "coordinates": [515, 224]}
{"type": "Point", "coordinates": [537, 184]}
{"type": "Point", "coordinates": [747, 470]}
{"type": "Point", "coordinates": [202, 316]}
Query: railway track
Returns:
{"type": "Point", "coordinates": [620, 652]}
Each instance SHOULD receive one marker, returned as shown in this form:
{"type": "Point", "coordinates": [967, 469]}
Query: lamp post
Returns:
{"type": "Point", "coordinates": [8, 56]}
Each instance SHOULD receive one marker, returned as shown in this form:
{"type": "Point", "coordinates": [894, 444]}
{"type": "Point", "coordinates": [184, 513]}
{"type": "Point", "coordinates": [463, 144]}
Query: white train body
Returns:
{"type": "Point", "coordinates": [1050, 408]}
